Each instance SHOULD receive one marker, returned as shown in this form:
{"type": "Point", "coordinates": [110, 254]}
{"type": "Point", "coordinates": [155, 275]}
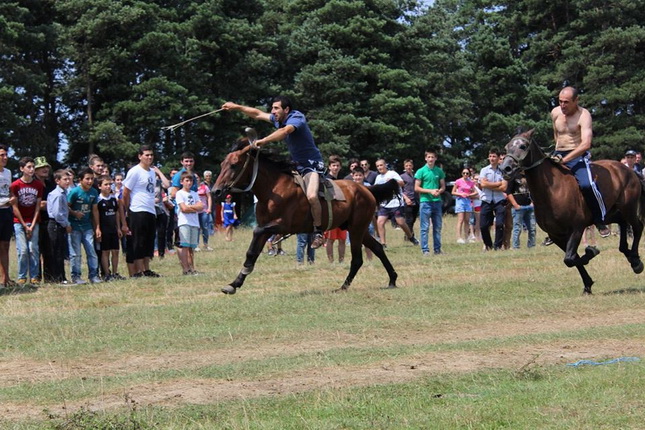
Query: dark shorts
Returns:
{"type": "Point", "coordinates": [309, 166]}
{"type": "Point", "coordinates": [391, 212]}
{"type": "Point", "coordinates": [108, 242]}
{"type": "Point", "coordinates": [143, 226]}
{"type": "Point", "coordinates": [6, 224]}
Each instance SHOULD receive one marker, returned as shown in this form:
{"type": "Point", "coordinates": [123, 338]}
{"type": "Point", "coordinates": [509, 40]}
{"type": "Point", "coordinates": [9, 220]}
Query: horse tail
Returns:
{"type": "Point", "coordinates": [641, 206]}
{"type": "Point", "coordinates": [385, 192]}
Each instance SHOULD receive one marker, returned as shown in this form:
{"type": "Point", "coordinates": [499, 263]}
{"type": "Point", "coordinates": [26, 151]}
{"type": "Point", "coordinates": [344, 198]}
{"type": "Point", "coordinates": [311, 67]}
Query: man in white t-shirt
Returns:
{"type": "Point", "coordinates": [392, 209]}
{"type": "Point", "coordinates": [139, 202]}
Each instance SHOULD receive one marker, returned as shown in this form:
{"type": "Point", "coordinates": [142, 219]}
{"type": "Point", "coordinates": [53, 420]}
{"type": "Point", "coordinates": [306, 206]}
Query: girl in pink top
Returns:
{"type": "Point", "coordinates": [463, 190]}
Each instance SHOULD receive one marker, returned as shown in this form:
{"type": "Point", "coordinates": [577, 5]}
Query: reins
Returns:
{"type": "Point", "coordinates": [256, 162]}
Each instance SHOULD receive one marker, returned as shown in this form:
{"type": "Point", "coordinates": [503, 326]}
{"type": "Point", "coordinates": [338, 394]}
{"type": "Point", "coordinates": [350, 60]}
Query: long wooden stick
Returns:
{"type": "Point", "coordinates": [179, 124]}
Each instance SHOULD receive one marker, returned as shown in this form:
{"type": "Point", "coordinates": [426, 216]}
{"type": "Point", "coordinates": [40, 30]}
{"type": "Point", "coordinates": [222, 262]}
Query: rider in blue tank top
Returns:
{"type": "Point", "coordinates": [293, 128]}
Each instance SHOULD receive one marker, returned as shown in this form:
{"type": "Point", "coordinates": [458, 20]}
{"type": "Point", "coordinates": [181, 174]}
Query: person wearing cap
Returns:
{"type": "Point", "coordinates": [630, 161]}
{"type": "Point", "coordinates": [572, 133]}
{"type": "Point", "coordinates": [42, 173]}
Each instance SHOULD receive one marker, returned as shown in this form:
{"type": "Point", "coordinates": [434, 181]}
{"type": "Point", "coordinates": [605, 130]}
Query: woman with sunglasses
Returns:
{"type": "Point", "coordinates": [464, 190]}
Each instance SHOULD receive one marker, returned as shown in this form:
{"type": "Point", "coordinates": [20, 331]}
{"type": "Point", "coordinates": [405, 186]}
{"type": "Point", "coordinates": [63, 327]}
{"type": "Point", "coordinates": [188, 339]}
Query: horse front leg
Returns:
{"type": "Point", "coordinates": [260, 236]}
{"type": "Point", "coordinates": [571, 258]}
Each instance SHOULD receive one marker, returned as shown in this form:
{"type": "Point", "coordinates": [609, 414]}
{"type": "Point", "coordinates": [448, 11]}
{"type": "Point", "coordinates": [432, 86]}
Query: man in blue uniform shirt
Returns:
{"type": "Point", "coordinates": [292, 127]}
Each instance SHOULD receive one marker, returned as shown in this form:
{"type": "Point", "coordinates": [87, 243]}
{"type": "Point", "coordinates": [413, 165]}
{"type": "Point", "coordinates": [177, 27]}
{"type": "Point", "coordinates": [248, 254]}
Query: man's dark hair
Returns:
{"type": "Point", "coordinates": [187, 154]}
{"type": "Point", "coordinates": [103, 178]}
{"type": "Point", "coordinates": [144, 148]}
{"type": "Point", "coordinates": [285, 102]}
{"type": "Point", "coordinates": [185, 175]}
{"type": "Point", "coordinates": [335, 159]}
{"type": "Point", "coordinates": [495, 150]}
{"type": "Point", "coordinates": [358, 170]}
{"type": "Point", "coordinates": [24, 160]}
{"type": "Point", "coordinates": [431, 151]}
{"type": "Point", "coordinates": [58, 174]}
{"type": "Point", "coordinates": [3, 146]}
{"type": "Point", "coordinates": [85, 171]}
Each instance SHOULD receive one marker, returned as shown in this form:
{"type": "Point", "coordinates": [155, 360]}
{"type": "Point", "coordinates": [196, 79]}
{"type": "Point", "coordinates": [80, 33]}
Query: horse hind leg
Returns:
{"type": "Point", "coordinates": [374, 246]}
{"type": "Point", "coordinates": [357, 259]}
{"type": "Point", "coordinates": [632, 253]}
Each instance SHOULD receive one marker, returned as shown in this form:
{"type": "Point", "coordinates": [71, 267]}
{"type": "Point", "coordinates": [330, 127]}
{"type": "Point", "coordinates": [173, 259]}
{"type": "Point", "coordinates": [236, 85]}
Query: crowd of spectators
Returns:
{"type": "Point", "coordinates": [57, 217]}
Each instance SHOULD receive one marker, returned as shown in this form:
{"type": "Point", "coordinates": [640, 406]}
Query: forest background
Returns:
{"type": "Point", "coordinates": [376, 78]}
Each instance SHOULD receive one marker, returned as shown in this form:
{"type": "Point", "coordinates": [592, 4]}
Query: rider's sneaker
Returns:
{"type": "Point", "coordinates": [414, 241]}
{"type": "Point", "coordinates": [271, 252]}
{"type": "Point", "coordinates": [318, 240]}
{"type": "Point", "coordinates": [603, 230]}
{"type": "Point", "coordinates": [547, 241]}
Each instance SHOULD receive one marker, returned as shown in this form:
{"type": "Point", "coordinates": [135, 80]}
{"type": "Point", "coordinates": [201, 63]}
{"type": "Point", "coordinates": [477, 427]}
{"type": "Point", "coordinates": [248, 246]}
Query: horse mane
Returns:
{"type": "Point", "coordinates": [563, 169]}
{"type": "Point", "coordinates": [279, 164]}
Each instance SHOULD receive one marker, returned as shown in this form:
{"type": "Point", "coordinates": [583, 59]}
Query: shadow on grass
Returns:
{"type": "Point", "coordinates": [10, 291]}
{"type": "Point", "coordinates": [632, 290]}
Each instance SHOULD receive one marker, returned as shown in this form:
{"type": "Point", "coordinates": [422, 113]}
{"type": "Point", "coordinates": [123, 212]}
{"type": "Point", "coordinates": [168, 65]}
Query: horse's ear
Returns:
{"type": "Point", "coordinates": [528, 134]}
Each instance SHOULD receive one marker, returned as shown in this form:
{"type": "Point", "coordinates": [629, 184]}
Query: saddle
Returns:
{"type": "Point", "coordinates": [328, 191]}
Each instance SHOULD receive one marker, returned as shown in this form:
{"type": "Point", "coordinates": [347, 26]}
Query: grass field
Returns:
{"type": "Point", "coordinates": [469, 340]}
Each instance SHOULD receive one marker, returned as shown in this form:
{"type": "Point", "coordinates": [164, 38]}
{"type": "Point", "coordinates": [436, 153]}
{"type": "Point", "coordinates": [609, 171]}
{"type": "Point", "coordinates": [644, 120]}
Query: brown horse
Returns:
{"type": "Point", "coordinates": [560, 208]}
{"type": "Point", "coordinates": [283, 208]}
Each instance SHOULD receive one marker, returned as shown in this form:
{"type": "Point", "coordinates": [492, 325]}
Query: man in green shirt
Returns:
{"type": "Point", "coordinates": [430, 183]}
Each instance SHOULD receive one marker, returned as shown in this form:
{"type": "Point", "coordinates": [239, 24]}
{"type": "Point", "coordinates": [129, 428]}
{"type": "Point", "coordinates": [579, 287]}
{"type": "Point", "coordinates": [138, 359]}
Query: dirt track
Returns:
{"type": "Point", "coordinates": [205, 391]}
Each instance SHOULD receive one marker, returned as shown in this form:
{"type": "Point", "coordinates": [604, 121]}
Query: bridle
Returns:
{"type": "Point", "coordinates": [256, 162]}
{"type": "Point", "coordinates": [518, 161]}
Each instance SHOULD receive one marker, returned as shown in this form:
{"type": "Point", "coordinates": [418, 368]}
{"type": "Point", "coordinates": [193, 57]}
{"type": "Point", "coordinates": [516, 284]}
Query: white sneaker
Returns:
{"type": "Point", "coordinates": [461, 241]}
{"type": "Point", "coordinates": [96, 280]}
{"type": "Point", "coordinates": [79, 281]}
{"type": "Point", "coordinates": [197, 249]}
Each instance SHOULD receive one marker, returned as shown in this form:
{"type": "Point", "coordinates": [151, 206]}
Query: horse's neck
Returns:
{"type": "Point", "coordinates": [545, 182]}
{"type": "Point", "coordinates": [267, 181]}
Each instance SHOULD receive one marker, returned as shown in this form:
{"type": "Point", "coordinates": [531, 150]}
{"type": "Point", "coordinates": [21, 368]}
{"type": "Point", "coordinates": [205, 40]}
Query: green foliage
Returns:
{"type": "Point", "coordinates": [376, 78]}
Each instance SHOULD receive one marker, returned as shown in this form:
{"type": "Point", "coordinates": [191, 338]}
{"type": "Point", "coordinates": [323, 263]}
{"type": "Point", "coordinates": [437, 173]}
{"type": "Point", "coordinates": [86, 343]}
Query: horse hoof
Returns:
{"type": "Point", "coordinates": [228, 290]}
{"type": "Point", "coordinates": [592, 251]}
{"type": "Point", "coordinates": [638, 268]}
{"type": "Point", "coordinates": [340, 290]}
{"type": "Point", "coordinates": [390, 287]}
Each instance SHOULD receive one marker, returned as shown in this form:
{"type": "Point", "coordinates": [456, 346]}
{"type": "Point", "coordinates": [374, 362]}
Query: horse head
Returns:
{"type": "Point", "coordinates": [516, 152]}
{"type": "Point", "coordinates": [233, 169]}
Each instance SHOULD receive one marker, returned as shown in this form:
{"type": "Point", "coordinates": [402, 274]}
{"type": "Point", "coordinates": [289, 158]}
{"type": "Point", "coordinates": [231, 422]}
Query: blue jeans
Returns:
{"type": "Point", "coordinates": [304, 241]}
{"type": "Point", "coordinates": [523, 216]}
{"type": "Point", "coordinates": [581, 169]}
{"type": "Point", "coordinates": [430, 211]}
{"type": "Point", "coordinates": [87, 239]}
{"type": "Point", "coordinates": [206, 226]}
{"type": "Point", "coordinates": [28, 252]}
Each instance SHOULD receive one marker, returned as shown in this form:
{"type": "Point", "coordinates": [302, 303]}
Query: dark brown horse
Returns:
{"type": "Point", "coordinates": [283, 208]}
{"type": "Point", "coordinates": [560, 208]}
